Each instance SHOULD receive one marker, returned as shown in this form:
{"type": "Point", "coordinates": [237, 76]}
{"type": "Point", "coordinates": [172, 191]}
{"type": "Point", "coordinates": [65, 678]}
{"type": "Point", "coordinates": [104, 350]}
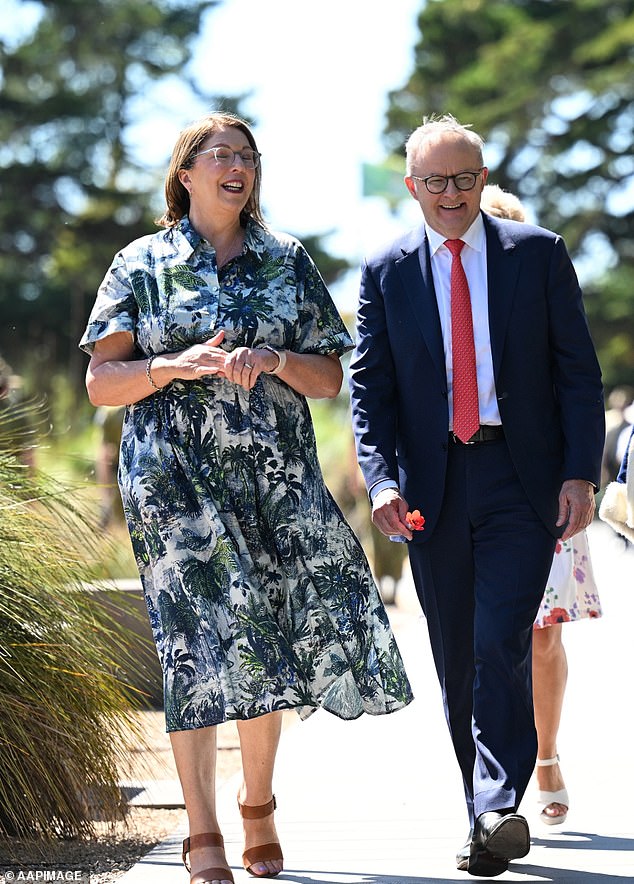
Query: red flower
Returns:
{"type": "Point", "coordinates": [557, 615]}
{"type": "Point", "coordinates": [415, 522]}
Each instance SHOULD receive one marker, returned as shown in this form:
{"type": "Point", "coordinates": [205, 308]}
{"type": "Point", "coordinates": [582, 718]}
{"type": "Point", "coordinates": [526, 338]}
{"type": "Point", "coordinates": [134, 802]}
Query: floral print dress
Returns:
{"type": "Point", "coordinates": [259, 595]}
{"type": "Point", "coordinates": [571, 592]}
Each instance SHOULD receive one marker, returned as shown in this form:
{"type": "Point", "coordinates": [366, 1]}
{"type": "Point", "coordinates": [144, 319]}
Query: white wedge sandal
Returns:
{"type": "Point", "coordinates": [548, 798]}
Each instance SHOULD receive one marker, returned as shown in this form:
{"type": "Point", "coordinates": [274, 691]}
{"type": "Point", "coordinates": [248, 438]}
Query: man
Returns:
{"type": "Point", "coordinates": [495, 435]}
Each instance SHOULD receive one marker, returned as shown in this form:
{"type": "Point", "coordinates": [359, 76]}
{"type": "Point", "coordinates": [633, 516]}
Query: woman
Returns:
{"type": "Point", "coordinates": [213, 331]}
{"type": "Point", "coordinates": [571, 594]}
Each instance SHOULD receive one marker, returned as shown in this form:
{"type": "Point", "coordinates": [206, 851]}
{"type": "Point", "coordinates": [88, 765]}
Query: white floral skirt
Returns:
{"type": "Point", "coordinates": [571, 592]}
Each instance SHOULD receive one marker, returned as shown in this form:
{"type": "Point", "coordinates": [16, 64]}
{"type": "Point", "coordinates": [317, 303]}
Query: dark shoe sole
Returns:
{"type": "Point", "coordinates": [510, 839]}
{"type": "Point", "coordinates": [482, 864]}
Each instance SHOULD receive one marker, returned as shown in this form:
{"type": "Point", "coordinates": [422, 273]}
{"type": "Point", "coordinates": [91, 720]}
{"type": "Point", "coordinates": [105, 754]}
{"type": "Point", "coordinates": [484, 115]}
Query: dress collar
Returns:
{"type": "Point", "coordinates": [187, 239]}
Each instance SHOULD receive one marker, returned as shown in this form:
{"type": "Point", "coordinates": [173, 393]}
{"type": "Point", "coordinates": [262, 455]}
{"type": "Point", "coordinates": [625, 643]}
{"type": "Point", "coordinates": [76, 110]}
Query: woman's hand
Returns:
{"type": "Point", "coordinates": [244, 365]}
{"type": "Point", "coordinates": [195, 362]}
{"type": "Point", "coordinates": [310, 374]}
{"type": "Point", "coordinates": [115, 377]}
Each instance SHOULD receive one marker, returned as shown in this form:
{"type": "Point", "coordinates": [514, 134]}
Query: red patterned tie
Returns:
{"type": "Point", "coordinates": [466, 418]}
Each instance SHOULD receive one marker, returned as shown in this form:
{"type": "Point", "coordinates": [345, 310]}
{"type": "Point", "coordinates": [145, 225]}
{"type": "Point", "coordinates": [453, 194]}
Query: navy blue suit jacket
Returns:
{"type": "Point", "coordinates": [547, 377]}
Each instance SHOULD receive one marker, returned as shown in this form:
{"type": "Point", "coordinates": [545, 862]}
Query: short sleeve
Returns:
{"type": "Point", "coordinates": [115, 309]}
{"type": "Point", "coordinates": [320, 327]}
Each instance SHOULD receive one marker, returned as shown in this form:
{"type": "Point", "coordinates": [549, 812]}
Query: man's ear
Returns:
{"type": "Point", "coordinates": [410, 184]}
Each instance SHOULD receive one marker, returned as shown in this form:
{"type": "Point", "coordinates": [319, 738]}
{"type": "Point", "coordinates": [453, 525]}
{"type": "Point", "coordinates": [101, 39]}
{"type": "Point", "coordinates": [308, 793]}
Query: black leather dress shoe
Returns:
{"type": "Point", "coordinates": [502, 835]}
{"type": "Point", "coordinates": [462, 857]}
{"type": "Point", "coordinates": [479, 862]}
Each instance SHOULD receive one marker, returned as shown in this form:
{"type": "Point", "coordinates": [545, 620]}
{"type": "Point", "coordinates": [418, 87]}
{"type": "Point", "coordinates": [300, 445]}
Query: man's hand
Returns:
{"type": "Point", "coordinates": [576, 506]}
{"type": "Point", "coordinates": [388, 513]}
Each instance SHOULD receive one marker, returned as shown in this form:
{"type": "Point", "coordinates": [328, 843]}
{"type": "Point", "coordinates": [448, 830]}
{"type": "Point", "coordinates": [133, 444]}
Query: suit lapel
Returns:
{"type": "Point", "coordinates": [418, 283]}
{"type": "Point", "coordinates": [502, 274]}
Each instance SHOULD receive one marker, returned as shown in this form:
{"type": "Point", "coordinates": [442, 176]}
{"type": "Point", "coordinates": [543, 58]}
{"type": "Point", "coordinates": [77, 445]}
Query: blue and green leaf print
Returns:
{"type": "Point", "coordinates": [258, 592]}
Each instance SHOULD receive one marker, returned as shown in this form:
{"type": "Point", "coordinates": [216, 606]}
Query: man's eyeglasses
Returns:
{"type": "Point", "coordinates": [224, 156]}
{"type": "Point", "coordinates": [439, 183]}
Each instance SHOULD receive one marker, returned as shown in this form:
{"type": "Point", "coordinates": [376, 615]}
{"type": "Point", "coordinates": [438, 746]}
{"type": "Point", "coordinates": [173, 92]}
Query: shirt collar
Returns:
{"type": "Point", "coordinates": [187, 238]}
{"type": "Point", "coordinates": [474, 236]}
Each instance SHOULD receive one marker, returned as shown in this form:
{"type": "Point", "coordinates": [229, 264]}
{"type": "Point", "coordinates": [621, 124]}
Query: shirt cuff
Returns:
{"type": "Point", "coordinates": [381, 486]}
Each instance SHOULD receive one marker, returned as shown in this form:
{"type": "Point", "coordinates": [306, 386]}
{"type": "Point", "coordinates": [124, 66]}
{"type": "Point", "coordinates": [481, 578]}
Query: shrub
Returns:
{"type": "Point", "coordinates": [67, 720]}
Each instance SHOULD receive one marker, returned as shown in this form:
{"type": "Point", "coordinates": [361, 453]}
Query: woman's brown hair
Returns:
{"type": "Point", "coordinates": [187, 146]}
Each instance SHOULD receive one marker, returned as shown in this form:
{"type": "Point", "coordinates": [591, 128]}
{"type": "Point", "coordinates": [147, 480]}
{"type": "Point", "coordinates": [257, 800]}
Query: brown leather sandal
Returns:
{"type": "Point", "coordinates": [206, 839]}
{"type": "Point", "coordinates": [263, 853]}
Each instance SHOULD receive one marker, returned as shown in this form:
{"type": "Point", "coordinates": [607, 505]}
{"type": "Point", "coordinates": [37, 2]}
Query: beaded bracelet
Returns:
{"type": "Point", "coordinates": [148, 372]}
{"type": "Point", "coordinates": [281, 355]}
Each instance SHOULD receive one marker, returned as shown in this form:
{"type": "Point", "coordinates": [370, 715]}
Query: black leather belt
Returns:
{"type": "Point", "coordinates": [486, 433]}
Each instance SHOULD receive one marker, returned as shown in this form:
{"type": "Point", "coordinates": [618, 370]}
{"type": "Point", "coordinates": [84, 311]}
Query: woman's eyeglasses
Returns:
{"type": "Point", "coordinates": [224, 156]}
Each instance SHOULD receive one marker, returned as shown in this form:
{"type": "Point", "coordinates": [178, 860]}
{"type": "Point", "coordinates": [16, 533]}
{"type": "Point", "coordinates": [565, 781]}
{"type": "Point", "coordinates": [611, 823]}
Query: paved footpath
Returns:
{"type": "Point", "coordinates": [378, 800]}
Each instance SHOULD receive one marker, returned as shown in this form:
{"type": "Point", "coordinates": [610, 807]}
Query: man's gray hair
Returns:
{"type": "Point", "coordinates": [434, 126]}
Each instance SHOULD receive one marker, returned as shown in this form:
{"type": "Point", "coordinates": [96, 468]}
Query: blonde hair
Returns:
{"type": "Point", "coordinates": [432, 128]}
{"type": "Point", "coordinates": [501, 203]}
{"type": "Point", "coordinates": [183, 157]}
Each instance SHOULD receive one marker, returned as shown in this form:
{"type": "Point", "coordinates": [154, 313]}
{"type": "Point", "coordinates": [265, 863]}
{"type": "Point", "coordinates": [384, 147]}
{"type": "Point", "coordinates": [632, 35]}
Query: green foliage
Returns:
{"type": "Point", "coordinates": [331, 268]}
{"type": "Point", "coordinates": [338, 462]}
{"type": "Point", "coordinates": [550, 85]}
{"type": "Point", "coordinates": [72, 193]}
{"type": "Point", "coordinates": [335, 442]}
{"type": "Point", "coordinates": [67, 720]}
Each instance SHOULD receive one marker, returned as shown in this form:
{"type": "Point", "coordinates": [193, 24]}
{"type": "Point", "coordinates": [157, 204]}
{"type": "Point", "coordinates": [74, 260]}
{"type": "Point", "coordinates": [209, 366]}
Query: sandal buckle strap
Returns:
{"type": "Point", "coordinates": [205, 839]}
{"type": "Point", "coordinates": [257, 811]}
{"type": "Point", "coordinates": [547, 762]}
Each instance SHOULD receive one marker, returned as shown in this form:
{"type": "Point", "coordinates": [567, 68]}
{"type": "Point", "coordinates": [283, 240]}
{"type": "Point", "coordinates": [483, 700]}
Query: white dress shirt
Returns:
{"type": "Point", "coordinates": [474, 261]}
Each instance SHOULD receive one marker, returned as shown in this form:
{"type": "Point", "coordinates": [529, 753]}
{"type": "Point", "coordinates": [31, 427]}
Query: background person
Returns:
{"type": "Point", "coordinates": [617, 505]}
{"type": "Point", "coordinates": [480, 404]}
{"type": "Point", "coordinates": [571, 594]}
{"type": "Point", "coordinates": [109, 420]}
{"type": "Point", "coordinates": [213, 331]}
{"type": "Point", "coordinates": [618, 425]}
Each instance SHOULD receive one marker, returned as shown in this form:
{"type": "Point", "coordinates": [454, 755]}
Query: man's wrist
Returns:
{"type": "Point", "coordinates": [381, 485]}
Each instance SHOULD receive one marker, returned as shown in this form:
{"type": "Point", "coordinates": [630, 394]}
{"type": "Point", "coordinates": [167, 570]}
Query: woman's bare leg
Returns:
{"type": "Point", "coordinates": [550, 673]}
{"type": "Point", "coordinates": [195, 757]}
{"type": "Point", "coordinates": [259, 739]}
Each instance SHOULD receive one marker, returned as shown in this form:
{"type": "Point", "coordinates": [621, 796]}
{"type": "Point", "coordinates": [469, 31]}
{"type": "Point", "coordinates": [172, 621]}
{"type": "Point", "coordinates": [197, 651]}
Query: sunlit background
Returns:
{"type": "Point", "coordinates": [92, 96]}
{"type": "Point", "coordinates": [315, 79]}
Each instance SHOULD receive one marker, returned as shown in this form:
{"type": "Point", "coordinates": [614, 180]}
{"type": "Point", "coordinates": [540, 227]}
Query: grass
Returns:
{"type": "Point", "coordinates": [67, 720]}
